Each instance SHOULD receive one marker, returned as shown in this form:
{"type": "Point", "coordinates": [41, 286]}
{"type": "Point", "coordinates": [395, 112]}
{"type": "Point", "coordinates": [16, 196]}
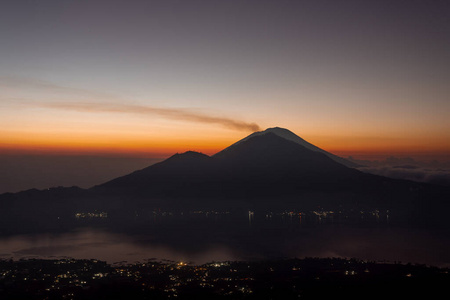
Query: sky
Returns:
{"type": "Point", "coordinates": [146, 79]}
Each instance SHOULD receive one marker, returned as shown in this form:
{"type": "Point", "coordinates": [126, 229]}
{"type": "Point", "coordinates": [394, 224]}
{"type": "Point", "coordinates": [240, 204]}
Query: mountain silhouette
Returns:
{"type": "Point", "coordinates": [290, 136]}
{"type": "Point", "coordinates": [272, 169]}
{"type": "Point", "coordinates": [263, 169]}
{"type": "Point", "coordinates": [262, 164]}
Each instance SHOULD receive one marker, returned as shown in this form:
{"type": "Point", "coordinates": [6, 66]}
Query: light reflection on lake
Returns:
{"type": "Point", "coordinates": [226, 239]}
{"type": "Point", "coordinates": [98, 244]}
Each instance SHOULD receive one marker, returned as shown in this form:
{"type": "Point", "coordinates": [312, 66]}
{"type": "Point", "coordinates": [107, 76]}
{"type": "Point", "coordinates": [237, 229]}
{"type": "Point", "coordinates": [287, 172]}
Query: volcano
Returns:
{"type": "Point", "coordinates": [271, 169]}
{"type": "Point", "coordinates": [290, 136]}
{"type": "Point", "coordinates": [271, 162]}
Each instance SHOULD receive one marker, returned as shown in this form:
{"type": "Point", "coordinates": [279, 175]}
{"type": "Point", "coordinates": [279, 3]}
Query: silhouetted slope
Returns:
{"type": "Point", "coordinates": [174, 176]}
{"type": "Point", "coordinates": [290, 136]}
{"type": "Point", "coordinates": [270, 164]}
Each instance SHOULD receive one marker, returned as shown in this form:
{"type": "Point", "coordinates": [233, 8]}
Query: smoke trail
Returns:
{"type": "Point", "coordinates": [170, 113]}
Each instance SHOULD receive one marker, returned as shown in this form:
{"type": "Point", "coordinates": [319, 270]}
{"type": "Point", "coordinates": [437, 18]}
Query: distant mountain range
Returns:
{"type": "Point", "coordinates": [269, 169]}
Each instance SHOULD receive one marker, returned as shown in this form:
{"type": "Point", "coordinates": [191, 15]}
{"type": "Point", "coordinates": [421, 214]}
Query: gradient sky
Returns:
{"type": "Point", "coordinates": [150, 78]}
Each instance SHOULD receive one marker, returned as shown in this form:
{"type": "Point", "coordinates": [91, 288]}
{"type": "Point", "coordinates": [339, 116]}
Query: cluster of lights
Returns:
{"type": "Point", "coordinates": [91, 215]}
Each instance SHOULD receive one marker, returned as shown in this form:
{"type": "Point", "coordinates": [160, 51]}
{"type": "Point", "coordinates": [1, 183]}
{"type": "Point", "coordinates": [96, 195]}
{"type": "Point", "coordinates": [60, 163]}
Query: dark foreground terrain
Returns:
{"type": "Point", "coordinates": [309, 278]}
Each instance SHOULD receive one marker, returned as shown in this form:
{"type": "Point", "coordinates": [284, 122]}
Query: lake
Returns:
{"type": "Point", "coordinates": [204, 237]}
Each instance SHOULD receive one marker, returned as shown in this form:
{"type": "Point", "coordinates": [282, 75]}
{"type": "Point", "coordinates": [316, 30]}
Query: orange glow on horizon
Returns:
{"type": "Point", "coordinates": [166, 147]}
{"type": "Point", "coordinates": [139, 143]}
{"type": "Point", "coordinates": [121, 150]}
{"type": "Point", "coordinates": [165, 140]}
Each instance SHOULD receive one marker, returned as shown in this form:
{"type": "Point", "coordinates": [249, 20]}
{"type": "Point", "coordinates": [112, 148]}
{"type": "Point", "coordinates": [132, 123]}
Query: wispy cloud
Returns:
{"type": "Point", "coordinates": [38, 88]}
{"type": "Point", "coordinates": [170, 113]}
{"type": "Point", "coordinates": [70, 96]}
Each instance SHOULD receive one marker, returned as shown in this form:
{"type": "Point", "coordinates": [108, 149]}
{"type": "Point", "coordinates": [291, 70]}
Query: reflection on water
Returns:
{"type": "Point", "coordinates": [218, 237]}
{"type": "Point", "coordinates": [103, 245]}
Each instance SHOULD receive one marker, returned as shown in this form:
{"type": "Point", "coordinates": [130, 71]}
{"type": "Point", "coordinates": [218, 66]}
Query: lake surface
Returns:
{"type": "Point", "coordinates": [202, 239]}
